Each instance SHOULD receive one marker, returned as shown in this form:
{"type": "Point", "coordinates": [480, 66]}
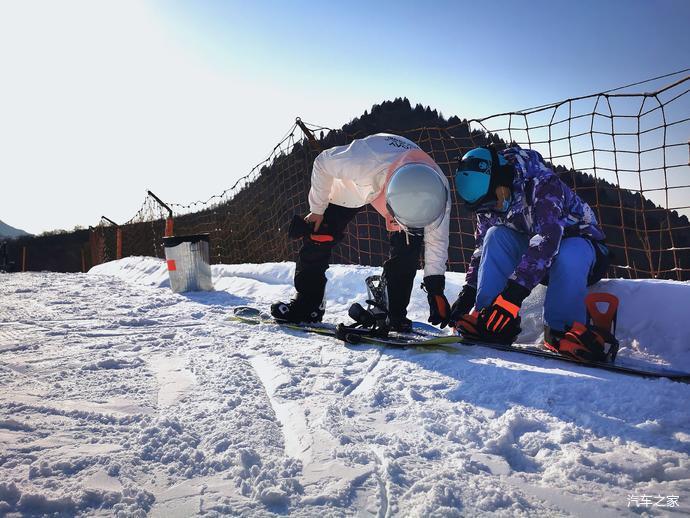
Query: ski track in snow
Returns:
{"type": "Point", "coordinates": [121, 398]}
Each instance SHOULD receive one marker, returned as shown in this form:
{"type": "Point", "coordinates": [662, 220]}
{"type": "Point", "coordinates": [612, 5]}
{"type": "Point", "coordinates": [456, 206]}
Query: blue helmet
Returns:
{"type": "Point", "coordinates": [473, 178]}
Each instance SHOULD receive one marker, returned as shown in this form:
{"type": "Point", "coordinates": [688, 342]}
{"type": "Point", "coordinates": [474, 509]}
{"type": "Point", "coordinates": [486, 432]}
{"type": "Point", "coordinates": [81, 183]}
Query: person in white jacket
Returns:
{"type": "Point", "coordinates": [409, 190]}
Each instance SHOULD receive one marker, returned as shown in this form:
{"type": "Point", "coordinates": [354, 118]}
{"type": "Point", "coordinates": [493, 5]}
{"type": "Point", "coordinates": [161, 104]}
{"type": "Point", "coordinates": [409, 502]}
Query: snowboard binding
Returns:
{"type": "Point", "coordinates": [594, 341]}
{"type": "Point", "coordinates": [375, 316]}
{"type": "Point", "coordinates": [604, 322]}
{"type": "Point", "coordinates": [376, 320]}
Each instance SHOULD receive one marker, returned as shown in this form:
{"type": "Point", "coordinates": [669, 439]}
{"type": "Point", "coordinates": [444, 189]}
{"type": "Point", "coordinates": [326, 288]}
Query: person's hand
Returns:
{"type": "Point", "coordinates": [503, 312]}
{"type": "Point", "coordinates": [463, 304]}
{"type": "Point", "coordinates": [439, 309]}
{"type": "Point", "coordinates": [498, 322]}
{"type": "Point", "coordinates": [316, 219]}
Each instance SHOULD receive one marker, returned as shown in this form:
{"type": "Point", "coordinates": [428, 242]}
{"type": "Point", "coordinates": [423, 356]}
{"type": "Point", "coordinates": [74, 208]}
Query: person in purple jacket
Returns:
{"type": "Point", "coordinates": [531, 229]}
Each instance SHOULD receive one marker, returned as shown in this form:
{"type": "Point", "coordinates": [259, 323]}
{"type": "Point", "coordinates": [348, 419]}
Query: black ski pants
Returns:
{"type": "Point", "coordinates": [314, 258]}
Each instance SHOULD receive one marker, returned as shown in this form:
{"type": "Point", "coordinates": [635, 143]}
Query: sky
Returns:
{"type": "Point", "coordinates": [102, 100]}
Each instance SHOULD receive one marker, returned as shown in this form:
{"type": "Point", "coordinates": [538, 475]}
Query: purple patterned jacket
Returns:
{"type": "Point", "coordinates": [542, 207]}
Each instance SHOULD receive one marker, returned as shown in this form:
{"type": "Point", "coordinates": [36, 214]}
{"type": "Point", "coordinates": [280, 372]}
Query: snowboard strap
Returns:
{"type": "Point", "coordinates": [377, 294]}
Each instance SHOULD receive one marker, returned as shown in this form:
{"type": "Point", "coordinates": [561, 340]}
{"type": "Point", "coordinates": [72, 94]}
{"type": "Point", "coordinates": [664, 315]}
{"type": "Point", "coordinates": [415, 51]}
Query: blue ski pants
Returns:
{"type": "Point", "coordinates": [565, 295]}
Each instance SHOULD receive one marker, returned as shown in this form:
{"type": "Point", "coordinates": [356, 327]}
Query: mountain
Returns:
{"type": "Point", "coordinates": [8, 231]}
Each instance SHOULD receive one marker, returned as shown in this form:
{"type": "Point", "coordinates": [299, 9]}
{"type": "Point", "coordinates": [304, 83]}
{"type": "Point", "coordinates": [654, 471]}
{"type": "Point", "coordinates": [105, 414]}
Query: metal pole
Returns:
{"type": "Point", "coordinates": [169, 220]}
{"type": "Point", "coordinates": [312, 139]}
{"type": "Point", "coordinates": [161, 203]}
{"type": "Point", "coordinates": [110, 221]}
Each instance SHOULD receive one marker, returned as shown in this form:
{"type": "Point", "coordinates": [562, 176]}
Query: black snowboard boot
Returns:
{"type": "Point", "coordinates": [552, 339]}
{"type": "Point", "coordinates": [297, 311]}
{"type": "Point", "coordinates": [399, 324]}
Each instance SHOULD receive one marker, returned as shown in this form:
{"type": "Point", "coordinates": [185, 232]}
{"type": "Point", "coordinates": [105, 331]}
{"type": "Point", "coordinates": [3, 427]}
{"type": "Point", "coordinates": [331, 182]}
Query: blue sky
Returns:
{"type": "Point", "coordinates": [461, 55]}
{"type": "Point", "coordinates": [103, 100]}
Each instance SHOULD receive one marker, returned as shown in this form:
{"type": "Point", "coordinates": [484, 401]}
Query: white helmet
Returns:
{"type": "Point", "coordinates": [416, 196]}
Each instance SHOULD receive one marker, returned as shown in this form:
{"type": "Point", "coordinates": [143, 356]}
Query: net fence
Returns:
{"type": "Point", "coordinates": [624, 153]}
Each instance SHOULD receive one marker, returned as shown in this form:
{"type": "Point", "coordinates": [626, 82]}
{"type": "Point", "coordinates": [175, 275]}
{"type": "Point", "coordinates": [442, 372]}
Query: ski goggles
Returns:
{"type": "Point", "coordinates": [418, 231]}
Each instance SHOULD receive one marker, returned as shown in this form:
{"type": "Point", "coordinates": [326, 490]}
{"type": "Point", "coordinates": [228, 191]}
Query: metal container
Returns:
{"type": "Point", "coordinates": [189, 265]}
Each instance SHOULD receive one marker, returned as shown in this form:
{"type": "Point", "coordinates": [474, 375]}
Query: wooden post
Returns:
{"type": "Point", "coordinates": [118, 244]}
{"type": "Point", "coordinates": [23, 259]}
{"type": "Point", "coordinates": [118, 237]}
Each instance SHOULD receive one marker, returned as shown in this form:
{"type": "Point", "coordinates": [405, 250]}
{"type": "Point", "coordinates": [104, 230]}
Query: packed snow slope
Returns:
{"type": "Point", "coordinates": [118, 396]}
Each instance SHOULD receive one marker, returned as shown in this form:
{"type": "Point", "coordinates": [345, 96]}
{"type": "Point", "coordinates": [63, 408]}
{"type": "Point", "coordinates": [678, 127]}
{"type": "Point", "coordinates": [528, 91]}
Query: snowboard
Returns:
{"type": "Point", "coordinates": [645, 370]}
{"type": "Point", "coordinates": [422, 337]}
{"type": "Point", "coordinates": [425, 337]}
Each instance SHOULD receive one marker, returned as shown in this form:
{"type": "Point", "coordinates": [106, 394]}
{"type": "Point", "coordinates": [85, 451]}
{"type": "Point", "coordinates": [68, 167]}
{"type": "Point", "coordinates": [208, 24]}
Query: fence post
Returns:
{"type": "Point", "coordinates": [118, 243]}
{"type": "Point", "coordinates": [23, 259]}
{"type": "Point", "coordinates": [312, 139]}
{"type": "Point", "coordinates": [169, 227]}
{"type": "Point", "coordinates": [118, 237]}
{"type": "Point", "coordinates": [169, 220]}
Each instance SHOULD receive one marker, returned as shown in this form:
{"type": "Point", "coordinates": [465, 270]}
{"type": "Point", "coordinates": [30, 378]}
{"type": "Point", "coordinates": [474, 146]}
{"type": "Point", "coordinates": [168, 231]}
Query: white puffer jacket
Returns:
{"type": "Point", "coordinates": [357, 174]}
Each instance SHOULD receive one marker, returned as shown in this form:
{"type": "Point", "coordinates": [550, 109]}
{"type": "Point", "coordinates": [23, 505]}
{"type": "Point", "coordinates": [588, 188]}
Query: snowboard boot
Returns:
{"type": "Point", "coordinates": [552, 337]}
{"type": "Point", "coordinates": [399, 324]}
{"type": "Point", "coordinates": [296, 311]}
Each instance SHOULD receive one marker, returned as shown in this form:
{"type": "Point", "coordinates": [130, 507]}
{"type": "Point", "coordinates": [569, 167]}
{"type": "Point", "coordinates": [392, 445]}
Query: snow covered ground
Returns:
{"type": "Point", "coordinates": [118, 396]}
